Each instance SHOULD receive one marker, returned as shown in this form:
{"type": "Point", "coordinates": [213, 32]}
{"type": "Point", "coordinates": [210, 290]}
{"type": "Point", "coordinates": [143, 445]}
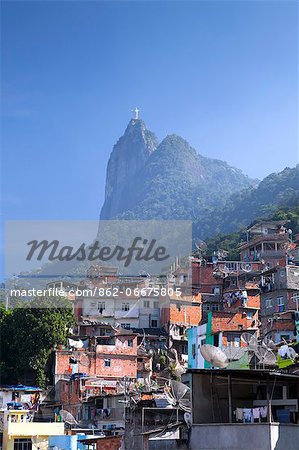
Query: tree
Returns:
{"type": "Point", "coordinates": [29, 335]}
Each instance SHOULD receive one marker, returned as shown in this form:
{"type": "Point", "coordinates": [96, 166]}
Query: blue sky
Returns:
{"type": "Point", "coordinates": [221, 74]}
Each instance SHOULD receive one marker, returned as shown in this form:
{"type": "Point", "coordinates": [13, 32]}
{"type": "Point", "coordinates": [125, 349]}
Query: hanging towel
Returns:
{"type": "Point", "coordinates": [256, 413]}
{"type": "Point", "coordinates": [264, 411]}
{"type": "Point", "coordinates": [239, 414]}
{"type": "Point", "coordinates": [247, 414]}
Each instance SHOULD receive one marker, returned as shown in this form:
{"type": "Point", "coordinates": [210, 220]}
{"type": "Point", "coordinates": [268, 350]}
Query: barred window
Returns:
{"type": "Point", "coordinates": [22, 444]}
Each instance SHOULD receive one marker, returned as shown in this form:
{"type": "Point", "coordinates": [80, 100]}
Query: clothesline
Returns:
{"type": "Point", "coordinates": [250, 415]}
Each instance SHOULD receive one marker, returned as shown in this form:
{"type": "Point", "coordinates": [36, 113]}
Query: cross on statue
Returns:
{"type": "Point", "coordinates": [136, 111]}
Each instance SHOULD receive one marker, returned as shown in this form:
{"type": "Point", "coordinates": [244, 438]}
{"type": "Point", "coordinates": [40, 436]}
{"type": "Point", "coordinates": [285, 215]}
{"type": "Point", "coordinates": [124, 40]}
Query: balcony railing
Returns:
{"type": "Point", "coordinates": [35, 428]}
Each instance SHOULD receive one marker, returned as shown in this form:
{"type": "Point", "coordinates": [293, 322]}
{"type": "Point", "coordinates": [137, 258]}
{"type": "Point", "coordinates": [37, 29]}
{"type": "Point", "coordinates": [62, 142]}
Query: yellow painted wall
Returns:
{"type": "Point", "coordinates": [23, 430]}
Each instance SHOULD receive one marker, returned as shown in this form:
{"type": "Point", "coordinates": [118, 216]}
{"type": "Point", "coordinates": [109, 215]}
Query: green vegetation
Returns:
{"type": "Point", "coordinates": [28, 336]}
{"type": "Point", "coordinates": [177, 183]}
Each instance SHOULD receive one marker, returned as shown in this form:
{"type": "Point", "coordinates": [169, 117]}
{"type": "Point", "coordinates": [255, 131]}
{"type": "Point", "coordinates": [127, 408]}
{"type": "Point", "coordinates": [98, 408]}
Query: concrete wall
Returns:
{"type": "Point", "coordinates": [67, 442]}
{"type": "Point", "coordinates": [273, 436]}
{"type": "Point", "coordinates": [196, 336]}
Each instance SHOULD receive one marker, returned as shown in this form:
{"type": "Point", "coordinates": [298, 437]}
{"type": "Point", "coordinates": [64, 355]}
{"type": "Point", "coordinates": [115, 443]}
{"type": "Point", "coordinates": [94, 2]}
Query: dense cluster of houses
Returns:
{"type": "Point", "coordinates": [111, 382]}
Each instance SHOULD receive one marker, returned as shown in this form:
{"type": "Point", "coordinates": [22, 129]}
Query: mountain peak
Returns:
{"type": "Point", "coordinates": [170, 180]}
{"type": "Point", "coordinates": [135, 125]}
{"type": "Point", "coordinates": [127, 159]}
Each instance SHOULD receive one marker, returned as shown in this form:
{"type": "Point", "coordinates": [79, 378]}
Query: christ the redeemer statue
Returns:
{"type": "Point", "coordinates": [136, 111]}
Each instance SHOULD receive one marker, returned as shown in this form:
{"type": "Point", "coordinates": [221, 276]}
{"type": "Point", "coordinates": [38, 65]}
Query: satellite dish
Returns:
{"type": "Point", "coordinates": [40, 443]}
{"type": "Point", "coordinates": [233, 353]}
{"type": "Point", "coordinates": [178, 368]}
{"type": "Point", "coordinates": [201, 245]}
{"type": "Point", "coordinates": [246, 267]}
{"type": "Point", "coordinates": [265, 356]}
{"type": "Point", "coordinates": [67, 417]}
{"type": "Point", "coordinates": [250, 340]}
{"type": "Point", "coordinates": [287, 352]}
{"type": "Point", "coordinates": [222, 254]}
{"type": "Point", "coordinates": [214, 355]}
{"type": "Point", "coordinates": [82, 358]}
{"type": "Point", "coordinates": [269, 343]}
{"type": "Point", "coordinates": [178, 395]}
{"type": "Point", "coordinates": [171, 278]}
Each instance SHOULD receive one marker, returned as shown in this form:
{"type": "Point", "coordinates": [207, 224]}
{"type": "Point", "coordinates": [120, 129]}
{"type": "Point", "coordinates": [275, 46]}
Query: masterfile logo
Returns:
{"type": "Point", "coordinates": [40, 251]}
{"type": "Point", "coordinates": [140, 249]}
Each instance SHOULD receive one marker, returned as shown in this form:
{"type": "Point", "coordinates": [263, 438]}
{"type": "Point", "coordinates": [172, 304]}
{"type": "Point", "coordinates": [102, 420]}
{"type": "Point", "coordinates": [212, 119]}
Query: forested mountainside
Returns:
{"type": "Point", "coordinates": [169, 180]}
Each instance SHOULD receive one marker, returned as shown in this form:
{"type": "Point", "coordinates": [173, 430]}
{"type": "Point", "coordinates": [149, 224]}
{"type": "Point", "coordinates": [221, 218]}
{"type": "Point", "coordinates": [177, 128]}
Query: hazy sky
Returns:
{"type": "Point", "coordinates": [220, 74]}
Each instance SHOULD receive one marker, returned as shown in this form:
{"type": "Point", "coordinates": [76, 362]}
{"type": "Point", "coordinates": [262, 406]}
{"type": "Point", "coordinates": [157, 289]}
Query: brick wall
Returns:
{"type": "Point", "coordinates": [253, 299]}
{"type": "Point", "coordinates": [109, 443]}
{"type": "Point", "coordinates": [183, 314]}
{"type": "Point", "coordinates": [123, 360]}
{"type": "Point", "coordinates": [225, 321]}
{"type": "Point", "coordinates": [203, 279]}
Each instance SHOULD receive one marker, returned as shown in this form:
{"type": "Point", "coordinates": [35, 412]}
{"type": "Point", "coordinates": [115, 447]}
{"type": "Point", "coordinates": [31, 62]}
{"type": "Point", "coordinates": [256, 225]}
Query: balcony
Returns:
{"type": "Point", "coordinates": [275, 237]}
{"type": "Point", "coordinates": [28, 429]}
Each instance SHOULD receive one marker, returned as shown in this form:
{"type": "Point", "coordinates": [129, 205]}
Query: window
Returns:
{"type": "Point", "coordinates": [268, 302]}
{"type": "Point", "coordinates": [233, 340]}
{"type": "Point", "coordinates": [130, 342]}
{"type": "Point", "coordinates": [101, 307]}
{"type": "Point", "coordinates": [107, 362]}
{"type": "Point", "coordinates": [295, 297]}
{"type": "Point", "coordinates": [125, 307]}
{"type": "Point", "coordinates": [216, 290]}
{"type": "Point", "coordinates": [156, 304]}
{"type": "Point", "coordinates": [146, 303]}
{"type": "Point", "coordinates": [185, 349]}
{"type": "Point", "coordinates": [249, 314]}
{"type": "Point", "coordinates": [206, 307]}
{"type": "Point", "coordinates": [154, 323]}
{"type": "Point", "coordinates": [127, 326]}
{"type": "Point", "coordinates": [99, 403]}
{"type": "Point", "coordinates": [215, 307]}
{"type": "Point", "coordinates": [279, 301]}
{"type": "Point", "coordinates": [269, 246]}
{"type": "Point", "coordinates": [193, 351]}
{"type": "Point", "coordinates": [105, 331]}
{"type": "Point", "coordinates": [106, 340]}
{"type": "Point", "coordinates": [22, 444]}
